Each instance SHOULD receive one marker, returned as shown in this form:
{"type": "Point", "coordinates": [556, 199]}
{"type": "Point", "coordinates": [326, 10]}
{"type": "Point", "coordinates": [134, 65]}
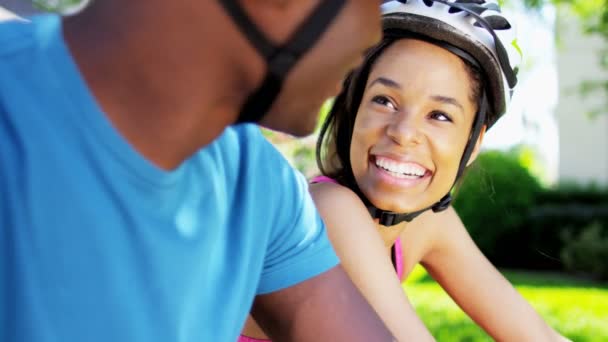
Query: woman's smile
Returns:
{"type": "Point", "coordinates": [398, 173]}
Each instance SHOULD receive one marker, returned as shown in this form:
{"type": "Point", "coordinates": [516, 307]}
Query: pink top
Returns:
{"type": "Point", "coordinates": [396, 250]}
{"type": "Point", "coordinates": [244, 338]}
{"type": "Point", "coordinates": [398, 258]}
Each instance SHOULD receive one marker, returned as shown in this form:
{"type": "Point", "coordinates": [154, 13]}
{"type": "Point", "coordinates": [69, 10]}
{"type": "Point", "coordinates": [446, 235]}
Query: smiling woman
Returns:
{"type": "Point", "coordinates": [412, 125]}
{"type": "Point", "coordinates": [402, 131]}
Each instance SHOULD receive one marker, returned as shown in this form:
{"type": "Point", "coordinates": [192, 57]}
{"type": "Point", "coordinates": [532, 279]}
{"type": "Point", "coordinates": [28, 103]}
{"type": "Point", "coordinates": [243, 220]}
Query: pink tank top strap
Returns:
{"type": "Point", "coordinates": [322, 179]}
{"type": "Point", "coordinates": [399, 259]}
{"type": "Point", "coordinates": [244, 338]}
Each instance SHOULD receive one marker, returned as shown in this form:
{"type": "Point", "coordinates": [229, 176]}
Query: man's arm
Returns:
{"type": "Point", "coordinates": [327, 307]}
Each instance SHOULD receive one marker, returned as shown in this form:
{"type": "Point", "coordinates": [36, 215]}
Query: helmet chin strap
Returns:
{"type": "Point", "coordinates": [279, 59]}
{"type": "Point", "coordinates": [389, 218]}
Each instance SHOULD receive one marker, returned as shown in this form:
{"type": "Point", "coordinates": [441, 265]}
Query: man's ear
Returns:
{"type": "Point", "coordinates": [477, 147]}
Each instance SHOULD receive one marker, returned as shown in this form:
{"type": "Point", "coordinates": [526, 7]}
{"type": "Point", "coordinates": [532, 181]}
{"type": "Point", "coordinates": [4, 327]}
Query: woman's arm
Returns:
{"type": "Point", "coordinates": [458, 265]}
{"type": "Point", "coordinates": [364, 257]}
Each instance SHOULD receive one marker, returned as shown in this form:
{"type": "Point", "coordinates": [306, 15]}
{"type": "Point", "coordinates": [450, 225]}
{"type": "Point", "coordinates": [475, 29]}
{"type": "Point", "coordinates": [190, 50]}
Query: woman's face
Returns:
{"type": "Point", "coordinates": [412, 126]}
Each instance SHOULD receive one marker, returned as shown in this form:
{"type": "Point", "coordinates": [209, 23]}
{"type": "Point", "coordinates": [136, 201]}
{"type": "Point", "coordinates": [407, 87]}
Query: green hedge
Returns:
{"type": "Point", "coordinates": [587, 252]}
{"type": "Point", "coordinates": [494, 200]}
{"type": "Point", "coordinates": [563, 214]}
{"type": "Point", "coordinates": [517, 223]}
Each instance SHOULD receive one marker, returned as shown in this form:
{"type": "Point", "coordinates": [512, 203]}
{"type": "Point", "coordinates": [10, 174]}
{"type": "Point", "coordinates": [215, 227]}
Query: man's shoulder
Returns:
{"type": "Point", "coordinates": [245, 146]}
{"type": "Point", "coordinates": [247, 161]}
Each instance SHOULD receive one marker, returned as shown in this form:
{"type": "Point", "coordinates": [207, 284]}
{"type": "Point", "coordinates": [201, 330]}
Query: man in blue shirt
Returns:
{"type": "Point", "coordinates": [133, 209]}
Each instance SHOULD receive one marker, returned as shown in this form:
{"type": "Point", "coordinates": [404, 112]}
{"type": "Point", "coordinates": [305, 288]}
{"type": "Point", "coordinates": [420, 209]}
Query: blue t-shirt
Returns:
{"type": "Point", "coordinates": [98, 244]}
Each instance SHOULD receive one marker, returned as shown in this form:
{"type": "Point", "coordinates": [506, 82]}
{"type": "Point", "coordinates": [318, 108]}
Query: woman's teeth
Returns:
{"type": "Point", "coordinates": [400, 170]}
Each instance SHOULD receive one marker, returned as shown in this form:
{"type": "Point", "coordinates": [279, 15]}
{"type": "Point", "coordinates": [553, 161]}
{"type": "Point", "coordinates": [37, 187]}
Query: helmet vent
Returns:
{"type": "Point", "coordinates": [456, 10]}
{"type": "Point", "coordinates": [497, 22]}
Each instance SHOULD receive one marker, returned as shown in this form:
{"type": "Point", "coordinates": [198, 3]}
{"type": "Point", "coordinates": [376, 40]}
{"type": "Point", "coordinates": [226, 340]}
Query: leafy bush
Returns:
{"type": "Point", "coordinates": [569, 192]}
{"type": "Point", "coordinates": [587, 252]}
{"type": "Point", "coordinates": [517, 223]}
{"type": "Point", "coordinates": [493, 201]}
{"type": "Point", "coordinates": [548, 223]}
{"type": "Point", "coordinates": [567, 209]}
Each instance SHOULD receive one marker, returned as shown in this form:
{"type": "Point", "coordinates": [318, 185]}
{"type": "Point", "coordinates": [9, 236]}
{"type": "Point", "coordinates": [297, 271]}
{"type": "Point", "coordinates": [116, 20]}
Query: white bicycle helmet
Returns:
{"type": "Point", "coordinates": [476, 27]}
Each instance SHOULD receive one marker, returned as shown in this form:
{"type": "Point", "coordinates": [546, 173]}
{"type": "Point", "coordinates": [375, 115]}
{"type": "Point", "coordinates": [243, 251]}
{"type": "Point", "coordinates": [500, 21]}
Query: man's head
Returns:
{"type": "Point", "coordinates": [180, 72]}
{"type": "Point", "coordinates": [321, 40]}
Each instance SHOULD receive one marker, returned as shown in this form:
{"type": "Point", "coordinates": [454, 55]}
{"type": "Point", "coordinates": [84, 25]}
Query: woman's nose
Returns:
{"type": "Point", "coordinates": [404, 129]}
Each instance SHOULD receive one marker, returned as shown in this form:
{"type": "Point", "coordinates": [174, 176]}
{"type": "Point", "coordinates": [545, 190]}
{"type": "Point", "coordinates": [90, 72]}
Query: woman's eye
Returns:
{"type": "Point", "coordinates": [384, 101]}
{"type": "Point", "coordinates": [440, 116]}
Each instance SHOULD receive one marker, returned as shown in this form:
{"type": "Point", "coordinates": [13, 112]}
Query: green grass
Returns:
{"type": "Point", "coordinates": [577, 308]}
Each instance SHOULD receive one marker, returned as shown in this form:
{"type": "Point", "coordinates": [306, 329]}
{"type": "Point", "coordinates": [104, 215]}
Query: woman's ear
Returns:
{"type": "Point", "coordinates": [477, 147]}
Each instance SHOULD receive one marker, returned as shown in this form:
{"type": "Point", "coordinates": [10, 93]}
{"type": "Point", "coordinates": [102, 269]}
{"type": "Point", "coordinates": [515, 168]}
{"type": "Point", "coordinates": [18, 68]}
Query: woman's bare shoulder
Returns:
{"type": "Point", "coordinates": [333, 199]}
